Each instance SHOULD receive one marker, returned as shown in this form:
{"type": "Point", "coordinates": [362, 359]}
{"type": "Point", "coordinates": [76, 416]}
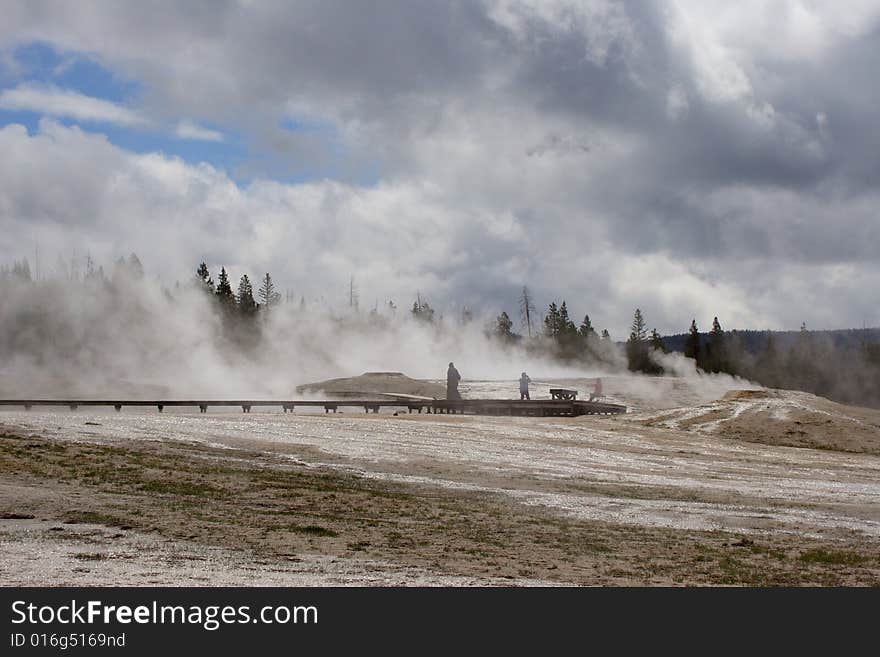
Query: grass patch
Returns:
{"type": "Point", "coordinates": [834, 558]}
{"type": "Point", "coordinates": [308, 530]}
{"type": "Point", "coordinates": [182, 488]}
{"type": "Point", "coordinates": [311, 530]}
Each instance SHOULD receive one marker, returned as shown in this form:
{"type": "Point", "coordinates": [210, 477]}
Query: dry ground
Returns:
{"type": "Point", "coordinates": [697, 485]}
{"type": "Point", "coordinates": [265, 511]}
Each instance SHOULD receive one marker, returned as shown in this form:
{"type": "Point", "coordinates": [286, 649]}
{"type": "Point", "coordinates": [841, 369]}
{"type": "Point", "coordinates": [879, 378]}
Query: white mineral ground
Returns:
{"type": "Point", "coordinates": [751, 462]}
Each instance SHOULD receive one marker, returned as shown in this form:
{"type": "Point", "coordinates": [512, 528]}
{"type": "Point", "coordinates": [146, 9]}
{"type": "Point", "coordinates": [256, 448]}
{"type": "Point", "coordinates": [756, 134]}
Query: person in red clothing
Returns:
{"type": "Point", "coordinates": [597, 390]}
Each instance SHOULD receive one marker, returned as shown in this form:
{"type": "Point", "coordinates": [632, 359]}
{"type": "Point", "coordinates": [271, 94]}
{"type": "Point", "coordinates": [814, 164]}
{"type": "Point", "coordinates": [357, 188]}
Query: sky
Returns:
{"type": "Point", "coordinates": [693, 158]}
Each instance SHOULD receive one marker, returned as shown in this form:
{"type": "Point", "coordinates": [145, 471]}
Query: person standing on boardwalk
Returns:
{"type": "Point", "coordinates": [452, 379]}
{"type": "Point", "coordinates": [524, 382]}
{"type": "Point", "coordinates": [597, 390]}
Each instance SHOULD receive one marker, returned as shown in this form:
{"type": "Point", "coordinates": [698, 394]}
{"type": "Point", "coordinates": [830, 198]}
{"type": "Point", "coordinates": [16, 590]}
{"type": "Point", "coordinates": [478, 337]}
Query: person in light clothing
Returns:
{"type": "Point", "coordinates": [524, 382]}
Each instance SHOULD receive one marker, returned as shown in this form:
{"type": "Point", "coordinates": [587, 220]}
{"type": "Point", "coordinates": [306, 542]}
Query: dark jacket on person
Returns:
{"type": "Point", "coordinates": [452, 379]}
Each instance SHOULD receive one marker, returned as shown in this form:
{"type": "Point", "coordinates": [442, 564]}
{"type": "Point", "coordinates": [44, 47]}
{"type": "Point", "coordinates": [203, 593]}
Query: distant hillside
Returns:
{"type": "Point", "coordinates": [754, 341]}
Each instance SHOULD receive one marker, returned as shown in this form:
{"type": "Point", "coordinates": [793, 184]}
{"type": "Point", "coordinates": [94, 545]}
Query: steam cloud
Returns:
{"type": "Point", "coordinates": [129, 337]}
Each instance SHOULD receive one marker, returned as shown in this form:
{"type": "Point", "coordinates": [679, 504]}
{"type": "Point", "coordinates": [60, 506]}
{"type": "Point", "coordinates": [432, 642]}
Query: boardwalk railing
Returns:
{"type": "Point", "coordinates": [537, 407]}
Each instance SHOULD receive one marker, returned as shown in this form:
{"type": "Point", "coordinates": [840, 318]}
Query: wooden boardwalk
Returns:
{"type": "Point", "coordinates": [536, 407]}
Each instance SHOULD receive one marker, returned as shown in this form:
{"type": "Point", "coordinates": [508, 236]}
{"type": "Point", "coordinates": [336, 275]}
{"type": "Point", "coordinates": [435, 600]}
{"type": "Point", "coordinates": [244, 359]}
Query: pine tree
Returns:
{"type": "Point", "coordinates": [586, 329]}
{"type": "Point", "coordinates": [692, 343]}
{"type": "Point", "coordinates": [587, 338]}
{"type": "Point", "coordinates": [566, 326]}
{"type": "Point", "coordinates": [654, 346]}
{"type": "Point", "coordinates": [135, 268]}
{"type": "Point", "coordinates": [636, 347]}
{"type": "Point", "coordinates": [657, 342]}
{"type": "Point", "coordinates": [120, 271]}
{"type": "Point", "coordinates": [21, 270]}
{"type": "Point", "coordinates": [90, 268]}
{"type": "Point", "coordinates": [224, 290]}
{"type": "Point", "coordinates": [638, 329]}
{"type": "Point", "coordinates": [551, 321]}
{"type": "Point", "coordinates": [422, 311]}
{"type": "Point", "coordinates": [802, 371]}
{"type": "Point", "coordinates": [247, 306]}
{"type": "Point", "coordinates": [715, 351]}
{"type": "Point", "coordinates": [768, 364]}
{"type": "Point", "coordinates": [567, 338]}
{"type": "Point", "coordinates": [269, 298]}
{"type": "Point", "coordinates": [503, 328]}
{"type": "Point", "coordinates": [734, 351]}
{"type": "Point", "coordinates": [204, 276]}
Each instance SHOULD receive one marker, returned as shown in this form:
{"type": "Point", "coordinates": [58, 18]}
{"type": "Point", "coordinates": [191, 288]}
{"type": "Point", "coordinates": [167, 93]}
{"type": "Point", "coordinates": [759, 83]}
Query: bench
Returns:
{"type": "Point", "coordinates": [563, 393]}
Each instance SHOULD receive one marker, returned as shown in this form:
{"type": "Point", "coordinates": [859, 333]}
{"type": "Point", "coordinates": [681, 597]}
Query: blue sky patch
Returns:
{"type": "Point", "coordinates": [306, 149]}
{"type": "Point", "coordinates": [43, 64]}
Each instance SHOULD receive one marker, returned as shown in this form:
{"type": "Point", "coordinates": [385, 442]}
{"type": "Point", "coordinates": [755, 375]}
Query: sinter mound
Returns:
{"type": "Point", "coordinates": [371, 385]}
{"type": "Point", "coordinates": [783, 417]}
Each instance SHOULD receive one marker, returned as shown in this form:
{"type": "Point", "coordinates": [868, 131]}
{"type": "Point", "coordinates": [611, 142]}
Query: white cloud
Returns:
{"type": "Point", "coordinates": [557, 144]}
{"type": "Point", "coordinates": [784, 29]}
{"type": "Point", "coordinates": [72, 192]}
{"type": "Point", "coordinates": [602, 24]}
{"type": "Point", "coordinates": [186, 129]}
{"type": "Point", "coordinates": [50, 100]}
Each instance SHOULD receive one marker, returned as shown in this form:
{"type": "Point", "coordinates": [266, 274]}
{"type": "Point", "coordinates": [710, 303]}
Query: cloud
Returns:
{"type": "Point", "coordinates": [71, 192]}
{"type": "Point", "coordinates": [188, 130]}
{"type": "Point", "coordinates": [671, 156]}
{"type": "Point", "coordinates": [49, 100]}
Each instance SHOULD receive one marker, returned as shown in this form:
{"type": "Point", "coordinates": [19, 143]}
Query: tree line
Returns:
{"type": "Point", "coordinates": [817, 362]}
{"type": "Point", "coordinates": [846, 370]}
{"type": "Point", "coordinates": [242, 301]}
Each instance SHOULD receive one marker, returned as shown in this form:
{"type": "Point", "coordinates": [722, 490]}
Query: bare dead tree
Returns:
{"type": "Point", "coordinates": [527, 308]}
{"type": "Point", "coordinates": [353, 295]}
